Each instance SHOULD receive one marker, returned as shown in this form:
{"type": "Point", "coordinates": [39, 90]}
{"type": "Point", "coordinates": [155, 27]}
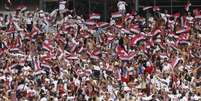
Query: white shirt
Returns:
{"type": "Point", "coordinates": [44, 99]}
{"type": "Point", "coordinates": [77, 82]}
{"type": "Point", "coordinates": [110, 88]}
{"type": "Point", "coordinates": [29, 20]}
{"type": "Point", "coordinates": [167, 67]}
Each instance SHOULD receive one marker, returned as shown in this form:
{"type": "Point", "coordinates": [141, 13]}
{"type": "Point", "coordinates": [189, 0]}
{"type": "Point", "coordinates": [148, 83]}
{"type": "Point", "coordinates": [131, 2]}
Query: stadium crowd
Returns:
{"type": "Point", "coordinates": [59, 56]}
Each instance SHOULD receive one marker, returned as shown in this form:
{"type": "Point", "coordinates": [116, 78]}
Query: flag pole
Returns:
{"type": "Point", "coordinates": [136, 5]}
{"type": "Point", "coordinates": [105, 10]}
{"type": "Point", "coordinates": [171, 6]}
{"type": "Point", "coordinates": [74, 8]}
{"type": "Point", "coordinates": [89, 6]}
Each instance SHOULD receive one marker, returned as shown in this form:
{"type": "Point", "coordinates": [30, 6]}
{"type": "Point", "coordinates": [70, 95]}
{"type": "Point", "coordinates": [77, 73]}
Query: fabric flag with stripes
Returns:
{"type": "Point", "coordinates": [123, 55]}
{"type": "Point", "coordinates": [136, 39]}
{"type": "Point", "coordinates": [197, 13]}
{"type": "Point", "coordinates": [94, 16]}
{"type": "Point", "coordinates": [183, 30]}
{"type": "Point", "coordinates": [175, 62]}
{"type": "Point", "coordinates": [146, 8]}
{"type": "Point", "coordinates": [72, 57]}
{"type": "Point", "coordinates": [102, 24]}
{"type": "Point", "coordinates": [154, 33]}
{"type": "Point", "coordinates": [90, 23]}
{"type": "Point", "coordinates": [156, 8]}
{"type": "Point", "coordinates": [94, 54]}
{"type": "Point", "coordinates": [183, 42]}
{"type": "Point", "coordinates": [36, 63]}
{"type": "Point", "coordinates": [47, 45]}
{"type": "Point", "coordinates": [110, 38]}
{"type": "Point", "coordinates": [134, 29]}
{"type": "Point", "coordinates": [116, 15]}
{"type": "Point", "coordinates": [85, 33]}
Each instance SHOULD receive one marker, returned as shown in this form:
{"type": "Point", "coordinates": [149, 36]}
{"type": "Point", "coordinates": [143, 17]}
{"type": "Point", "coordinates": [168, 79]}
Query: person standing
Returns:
{"type": "Point", "coordinates": [122, 6]}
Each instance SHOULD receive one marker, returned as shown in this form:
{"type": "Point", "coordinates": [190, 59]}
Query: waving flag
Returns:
{"type": "Point", "coordinates": [175, 62]}
{"type": "Point", "coordinates": [36, 63]}
{"type": "Point", "coordinates": [123, 55]}
{"type": "Point", "coordinates": [198, 16]}
{"type": "Point", "coordinates": [183, 42]}
{"type": "Point", "coordinates": [94, 54]}
{"type": "Point", "coordinates": [47, 45]}
{"type": "Point", "coordinates": [110, 38]}
{"type": "Point", "coordinates": [85, 34]}
{"type": "Point", "coordinates": [128, 56]}
{"type": "Point", "coordinates": [156, 8]}
{"type": "Point", "coordinates": [116, 15]}
{"type": "Point", "coordinates": [134, 29]}
{"type": "Point", "coordinates": [177, 15]}
{"type": "Point", "coordinates": [102, 24]}
{"type": "Point", "coordinates": [136, 39]}
{"type": "Point", "coordinates": [187, 6]}
{"type": "Point", "coordinates": [147, 7]}
{"type": "Point", "coordinates": [154, 33]}
{"type": "Point", "coordinates": [185, 30]}
{"type": "Point", "coordinates": [90, 23]}
{"type": "Point", "coordinates": [94, 16]}
{"type": "Point", "coordinates": [72, 57]}
{"type": "Point", "coordinates": [9, 2]}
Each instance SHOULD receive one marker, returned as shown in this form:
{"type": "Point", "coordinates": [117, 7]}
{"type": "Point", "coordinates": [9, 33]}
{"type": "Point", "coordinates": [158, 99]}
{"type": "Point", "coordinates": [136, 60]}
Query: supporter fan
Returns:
{"type": "Point", "coordinates": [132, 58]}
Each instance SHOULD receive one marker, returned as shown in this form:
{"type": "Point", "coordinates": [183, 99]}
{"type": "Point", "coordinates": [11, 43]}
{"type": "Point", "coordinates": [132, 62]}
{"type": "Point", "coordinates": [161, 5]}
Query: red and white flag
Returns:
{"type": "Point", "coordinates": [116, 15]}
{"type": "Point", "coordinates": [128, 56]}
{"type": "Point", "coordinates": [95, 16]}
{"type": "Point", "coordinates": [197, 13]}
{"type": "Point", "coordinates": [198, 16]}
{"type": "Point", "coordinates": [94, 54]}
{"type": "Point", "coordinates": [183, 42]}
{"type": "Point", "coordinates": [110, 38]}
{"type": "Point", "coordinates": [72, 57]}
{"type": "Point", "coordinates": [123, 55]}
{"type": "Point", "coordinates": [187, 6]}
{"type": "Point", "coordinates": [90, 23]}
{"type": "Point", "coordinates": [9, 2]}
{"type": "Point", "coordinates": [102, 24]}
{"type": "Point", "coordinates": [136, 39]}
{"type": "Point", "coordinates": [85, 34]}
{"type": "Point", "coordinates": [184, 30]}
{"type": "Point", "coordinates": [177, 15]}
{"type": "Point", "coordinates": [156, 8]}
{"type": "Point", "coordinates": [34, 31]}
{"type": "Point", "coordinates": [154, 33]}
{"type": "Point", "coordinates": [36, 62]}
{"type": "Point", "coordinates": [175, 62]}
{"type": "Point", "coordinates": [48, 45]}
{"type": "Point", "coordinates": [119, 24]}
{"type": "Point", "coordinates": [147, 7]}
{"type": "Point", "coordinates": [134, 29]}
